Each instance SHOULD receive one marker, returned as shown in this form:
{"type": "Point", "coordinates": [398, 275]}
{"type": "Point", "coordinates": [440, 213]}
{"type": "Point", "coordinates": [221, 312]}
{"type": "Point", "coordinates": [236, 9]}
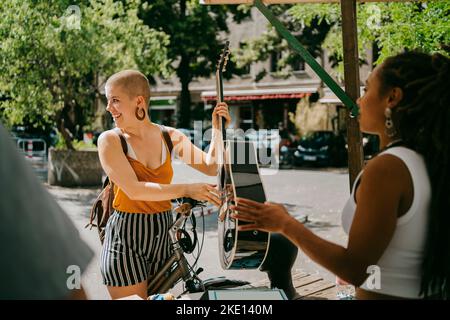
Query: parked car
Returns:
{"type": "Point", "coordinates": [370, 145]}
{"type": "Point", "coordinates": [266, 144]}
{"type": "Point", "coordinates": [197, 138]}
{"type": "Point", "coordinates": [322, 148]}
{"type": "Point", "coordinates": [286, 157]}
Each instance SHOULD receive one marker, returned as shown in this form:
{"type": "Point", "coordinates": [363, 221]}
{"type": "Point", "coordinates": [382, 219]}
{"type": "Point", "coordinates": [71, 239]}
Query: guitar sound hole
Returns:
{"type": "Point", "coordinates": [222, 178]}
{"type": "Point", "coordinates": [228, 241]}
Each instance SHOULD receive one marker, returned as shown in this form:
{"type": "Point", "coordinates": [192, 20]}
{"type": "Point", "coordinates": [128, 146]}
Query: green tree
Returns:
{"type": "Point", "coordinates": [197, 34]}
{"type": "Point", "coordinates": [392, 27]}
{"type": "Point", "coordinates": [52, 54]}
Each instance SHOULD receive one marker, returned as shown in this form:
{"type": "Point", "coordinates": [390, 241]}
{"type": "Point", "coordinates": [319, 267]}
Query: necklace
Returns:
{"type": "Point", "coordinates": [393, 143]}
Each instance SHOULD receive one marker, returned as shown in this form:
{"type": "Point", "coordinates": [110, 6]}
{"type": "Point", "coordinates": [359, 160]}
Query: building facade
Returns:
{"type": "Point", "coordinates": [263, 104]}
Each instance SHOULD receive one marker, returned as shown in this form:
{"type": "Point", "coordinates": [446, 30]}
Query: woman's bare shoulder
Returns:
{"type": "Point", "coordinates": [387, 170]}
{"type": "Point", "coordinates": [176, 135]}
{"type": "Point", "coordinates": [173, 131]}
{"type": "Point", "coordinates": [108, 137]}
{"type": "Point", "coordinates": [385, 164]}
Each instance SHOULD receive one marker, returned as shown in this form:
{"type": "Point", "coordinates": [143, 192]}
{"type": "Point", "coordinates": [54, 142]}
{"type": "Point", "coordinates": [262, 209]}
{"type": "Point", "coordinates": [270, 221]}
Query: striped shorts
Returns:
{"type": "Point", "coordinates": [136, 245]}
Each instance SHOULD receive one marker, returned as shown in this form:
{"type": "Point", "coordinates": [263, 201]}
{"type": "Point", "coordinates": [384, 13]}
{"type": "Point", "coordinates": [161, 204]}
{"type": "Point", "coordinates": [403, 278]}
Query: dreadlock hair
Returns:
{"type": "Point", "coordinates": [422, 119]}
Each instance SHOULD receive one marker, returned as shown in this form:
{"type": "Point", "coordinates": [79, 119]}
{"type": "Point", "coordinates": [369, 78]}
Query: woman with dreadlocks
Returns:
{"type": "Point", "coordinates": [397, 217]}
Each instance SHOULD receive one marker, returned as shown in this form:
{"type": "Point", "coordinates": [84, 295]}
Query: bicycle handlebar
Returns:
{"type": "Point", "coordinates": [187, 204]}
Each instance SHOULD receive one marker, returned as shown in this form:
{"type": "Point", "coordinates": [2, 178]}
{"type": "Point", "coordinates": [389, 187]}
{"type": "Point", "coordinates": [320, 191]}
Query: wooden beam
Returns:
{"type": "Point", "coordinates": [352, 86]}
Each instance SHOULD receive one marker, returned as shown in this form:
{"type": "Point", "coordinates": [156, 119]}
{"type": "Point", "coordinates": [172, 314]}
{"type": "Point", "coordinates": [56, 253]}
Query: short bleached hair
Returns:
{"type": "Point", "coordinates": [133, 82]}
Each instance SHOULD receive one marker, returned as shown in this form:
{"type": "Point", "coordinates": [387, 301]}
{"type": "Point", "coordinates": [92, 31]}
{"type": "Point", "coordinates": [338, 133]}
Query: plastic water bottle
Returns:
{"type": "Point", "coordinates": [343, 290]}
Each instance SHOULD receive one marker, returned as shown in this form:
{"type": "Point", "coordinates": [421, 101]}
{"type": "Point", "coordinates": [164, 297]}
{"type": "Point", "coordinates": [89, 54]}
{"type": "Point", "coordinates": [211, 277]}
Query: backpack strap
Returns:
{"type": "Point", "coordinates": [106, 184]}
{"type": "Point", "coordinates": [166, 136]}
{"type": "Point", "coordinates": [122, 140]}
{"type": "Point", "coordinates": [124, 144]}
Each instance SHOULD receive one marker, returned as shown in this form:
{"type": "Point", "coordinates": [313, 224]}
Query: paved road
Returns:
{"type": "Point", "coordinates": [317, 194]}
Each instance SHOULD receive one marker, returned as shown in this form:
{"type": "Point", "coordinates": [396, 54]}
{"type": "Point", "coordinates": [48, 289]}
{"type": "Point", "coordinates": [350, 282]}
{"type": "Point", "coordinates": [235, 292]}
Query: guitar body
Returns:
{"type": "Point", "coordinates": [240, 249]}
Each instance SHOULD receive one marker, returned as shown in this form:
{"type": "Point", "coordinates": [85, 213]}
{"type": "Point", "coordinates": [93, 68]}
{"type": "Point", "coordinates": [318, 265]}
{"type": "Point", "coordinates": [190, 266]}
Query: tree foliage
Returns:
{"type": "Point", "coordinates": [51, 56]}
{"type": "Point", "coordinates": [198, 33]}
{"type": "Point", "coordinates": [393, 27]}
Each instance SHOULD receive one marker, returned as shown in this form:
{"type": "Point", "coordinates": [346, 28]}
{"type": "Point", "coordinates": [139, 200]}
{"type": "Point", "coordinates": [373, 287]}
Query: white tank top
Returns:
{"type": "Point", "coordinates": [400, 264]}
{"type": "Point", "coordinates": [132, 154]}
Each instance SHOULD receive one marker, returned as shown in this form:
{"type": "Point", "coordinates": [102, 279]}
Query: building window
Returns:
{"type": "Point", "coordinates": [294, 61]}
{"type": "Point", "coordinates": [246, 70]}
{"type": "Point", "coordinates": [274, 58]}
{"type": "Point", "coordinates": [298, 64]}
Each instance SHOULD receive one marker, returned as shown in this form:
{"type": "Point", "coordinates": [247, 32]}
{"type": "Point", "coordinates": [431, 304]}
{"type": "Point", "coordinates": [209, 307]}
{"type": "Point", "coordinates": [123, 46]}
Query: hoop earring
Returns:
{"type": "Point", "coordinates": [139, 113]}
{"type": "Point", "coordinates": [389, 124]}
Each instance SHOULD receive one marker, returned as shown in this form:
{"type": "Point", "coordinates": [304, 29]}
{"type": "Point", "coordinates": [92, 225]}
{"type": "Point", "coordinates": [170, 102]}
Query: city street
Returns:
{"type": "Point", "coordinates": [316, 195]}
{"type": "Point", "coordinates": [315, 88]}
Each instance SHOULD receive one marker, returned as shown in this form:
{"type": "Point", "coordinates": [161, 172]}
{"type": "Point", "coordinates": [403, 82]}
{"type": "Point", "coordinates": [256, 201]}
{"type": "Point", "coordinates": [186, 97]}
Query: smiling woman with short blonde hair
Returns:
{"type": "Point", "coordinates": [136, 238]}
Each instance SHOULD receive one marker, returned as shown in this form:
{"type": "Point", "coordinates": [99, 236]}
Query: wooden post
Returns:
{"type": "Point", "coordinates": [351, 75]}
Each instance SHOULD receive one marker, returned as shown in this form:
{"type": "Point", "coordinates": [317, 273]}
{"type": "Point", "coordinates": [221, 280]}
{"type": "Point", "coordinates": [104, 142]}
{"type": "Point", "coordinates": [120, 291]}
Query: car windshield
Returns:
{"type": "Point", "coordinates": [321, 136]}
{"type": "Point", "coordinates": [317, 139]}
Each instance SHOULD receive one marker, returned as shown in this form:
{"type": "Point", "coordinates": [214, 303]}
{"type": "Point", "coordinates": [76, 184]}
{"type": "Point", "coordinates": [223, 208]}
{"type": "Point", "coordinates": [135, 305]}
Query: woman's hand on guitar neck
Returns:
{"type": "Point", "coordinates": [269, 216]}
{"type": "Point", "coordinates": [221, 111]}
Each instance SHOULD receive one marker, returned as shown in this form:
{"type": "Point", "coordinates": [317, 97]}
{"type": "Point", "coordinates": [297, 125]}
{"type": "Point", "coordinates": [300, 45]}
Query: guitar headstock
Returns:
{"type": "Point", "coordinates": [223, 59]}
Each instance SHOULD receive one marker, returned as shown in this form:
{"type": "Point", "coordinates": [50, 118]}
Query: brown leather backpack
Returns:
{"type": "Point", "coordinates": [102, 207]}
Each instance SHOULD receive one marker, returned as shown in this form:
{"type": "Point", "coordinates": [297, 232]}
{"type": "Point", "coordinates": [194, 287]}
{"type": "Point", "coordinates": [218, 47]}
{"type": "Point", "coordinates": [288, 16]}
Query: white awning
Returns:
{"type": "Point", "coordinates": [163, 103]}
{"type": "Point", "coordinates": [330, 98]}
{"type": "Point", "coordinates": [260, 94]}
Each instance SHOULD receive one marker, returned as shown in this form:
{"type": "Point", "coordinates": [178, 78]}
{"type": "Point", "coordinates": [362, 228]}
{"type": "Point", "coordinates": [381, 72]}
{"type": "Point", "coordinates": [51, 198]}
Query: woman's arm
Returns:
{"type": "Point", "coordinates": [191, 154]}
{"type": "Point", "coordinates": [378, 197]}
{"type": "Point", "coordinates": [119, 170]}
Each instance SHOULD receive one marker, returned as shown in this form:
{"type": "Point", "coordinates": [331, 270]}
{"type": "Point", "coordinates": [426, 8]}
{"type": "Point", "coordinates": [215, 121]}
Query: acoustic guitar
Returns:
{"type": "Point", "coordinates": [238, 176]}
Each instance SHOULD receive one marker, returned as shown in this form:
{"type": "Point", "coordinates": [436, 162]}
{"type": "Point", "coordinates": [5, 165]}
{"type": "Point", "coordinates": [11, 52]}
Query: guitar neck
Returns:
{"type": "Point", "coordinates": [219, 88]}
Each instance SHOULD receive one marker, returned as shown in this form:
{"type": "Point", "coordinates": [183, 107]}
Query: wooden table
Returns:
{"type": "Point", "coordinates": [310, 287]}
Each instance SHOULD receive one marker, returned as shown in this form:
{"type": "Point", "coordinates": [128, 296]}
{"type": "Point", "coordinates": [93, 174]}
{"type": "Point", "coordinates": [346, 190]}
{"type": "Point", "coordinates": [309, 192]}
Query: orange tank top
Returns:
{"type": "Point", "coordinates": [163, 174]}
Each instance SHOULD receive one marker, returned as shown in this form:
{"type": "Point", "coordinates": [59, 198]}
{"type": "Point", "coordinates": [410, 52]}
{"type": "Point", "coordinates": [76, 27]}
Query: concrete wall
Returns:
{"type": "Point", "coordinates": [74, 168]}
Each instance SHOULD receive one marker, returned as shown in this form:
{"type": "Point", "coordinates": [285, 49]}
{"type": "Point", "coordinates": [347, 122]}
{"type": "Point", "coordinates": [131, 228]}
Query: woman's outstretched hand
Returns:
{"type": "Point", "coordinates": [220, 111]}
{"type": "Point", "coordinates": [203, 192]}
{"type": "Point", "coordinates": [268, 216]}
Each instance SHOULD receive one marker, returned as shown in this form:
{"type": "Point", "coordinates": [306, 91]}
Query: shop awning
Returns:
{"type": "Point", "coordinates": [259, 94]}
{"type": "Point", "coordinates": [163, 103]}
{"type": "Point", "coordinates": [330, 98]}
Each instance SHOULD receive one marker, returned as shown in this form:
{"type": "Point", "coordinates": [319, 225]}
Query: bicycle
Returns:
{"type": "Point", "coordinates": [177, 267]}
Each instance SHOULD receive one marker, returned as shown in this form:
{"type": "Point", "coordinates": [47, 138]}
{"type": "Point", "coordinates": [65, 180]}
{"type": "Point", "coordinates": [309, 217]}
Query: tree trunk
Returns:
{"type": "Point", "coordinates": [352, 85]}
{"type": "Point", "coordinates": [184, 118]}
{"type": "Point", "coordinates": [63, 130]}
{"type": "Point", "coordinates": [185, 99]}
